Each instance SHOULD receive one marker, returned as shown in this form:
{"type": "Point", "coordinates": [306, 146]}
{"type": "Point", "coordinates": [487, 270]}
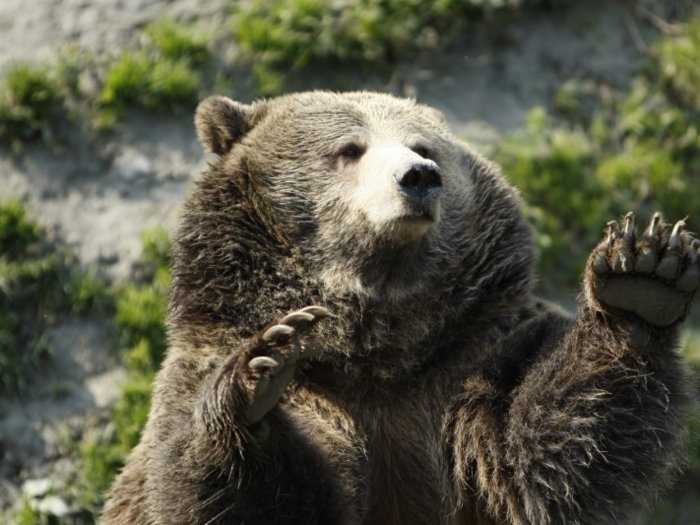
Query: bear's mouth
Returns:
{"type": "Point", "coordinates": [411, 227]}
{"type": "Point", "coordinates": [419, 212]}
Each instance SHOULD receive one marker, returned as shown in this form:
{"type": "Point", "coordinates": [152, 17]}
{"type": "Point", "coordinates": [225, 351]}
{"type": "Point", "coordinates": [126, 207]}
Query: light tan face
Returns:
{"type": "Point", "coordinates": [398, 189]}
{"type": "Point", "coordinates": [383, 209]}
{"type": "Point", "coordinates": [392, 179]}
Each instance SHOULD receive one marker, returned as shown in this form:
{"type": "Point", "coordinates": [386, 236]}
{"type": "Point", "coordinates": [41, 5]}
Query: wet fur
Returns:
{"type": "Point", "coordinates": [462, 400]}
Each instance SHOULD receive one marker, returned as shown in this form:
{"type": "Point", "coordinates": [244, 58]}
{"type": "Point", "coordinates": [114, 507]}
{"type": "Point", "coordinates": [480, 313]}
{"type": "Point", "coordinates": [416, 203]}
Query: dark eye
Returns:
{"type": "Point", "coordinates": [351, 152]}
{"type": "Point", "coordinates": [422, 151]}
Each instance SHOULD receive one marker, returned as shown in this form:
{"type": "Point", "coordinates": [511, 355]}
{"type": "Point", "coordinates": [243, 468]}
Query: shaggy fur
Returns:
{"type": "Point", "coordinates": [441, 391]}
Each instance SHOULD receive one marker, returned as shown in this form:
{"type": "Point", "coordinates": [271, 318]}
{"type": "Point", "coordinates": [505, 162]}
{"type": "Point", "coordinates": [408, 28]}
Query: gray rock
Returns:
{"type": "Point", "coordinates": [36, 488]}
{"type": "Point", "coordinates": [53, 506]}
{"type": "Point", "coordinates": [131, 166]}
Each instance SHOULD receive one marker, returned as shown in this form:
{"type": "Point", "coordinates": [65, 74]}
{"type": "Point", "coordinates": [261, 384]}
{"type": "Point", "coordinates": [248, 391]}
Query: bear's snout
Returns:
{"type": "Point", "coordinates": [421, 181]}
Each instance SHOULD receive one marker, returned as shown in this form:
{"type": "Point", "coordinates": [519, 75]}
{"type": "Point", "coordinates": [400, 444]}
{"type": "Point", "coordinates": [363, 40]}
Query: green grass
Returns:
{"type": "Point", "coordinates": [278, 35]}
{"type": "Point", "coordinates": [166, 73]}
{"type": "Point", "coordinates": [163, 75]}
{"type": "Point", "coordinates": [26, 514]}
{"type": "Point", "coordinates": [30, 97]}
{"type": "Point", "coordinates": [140, 316]}
{"type": "Point", "coordinates": [138, 78]}
{"type": "Point", "coordinates": [38, 284]}
{"type": "Point", "coordinates": [179, 42]}
{"type": "Point", "coordinates": [17, 232]}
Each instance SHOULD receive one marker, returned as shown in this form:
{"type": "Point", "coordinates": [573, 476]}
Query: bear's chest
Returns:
{"type": "Point", "coordinates": [407, 476]}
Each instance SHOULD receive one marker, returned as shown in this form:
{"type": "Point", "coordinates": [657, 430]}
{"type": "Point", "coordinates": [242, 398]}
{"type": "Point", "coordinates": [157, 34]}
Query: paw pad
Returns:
{"type": "Point", "coordinates": [654, 277]}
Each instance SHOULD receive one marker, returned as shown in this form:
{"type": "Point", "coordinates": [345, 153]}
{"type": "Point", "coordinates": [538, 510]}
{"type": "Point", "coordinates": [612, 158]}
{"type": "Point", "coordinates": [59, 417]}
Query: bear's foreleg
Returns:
{"type": "Point", "coordinates": [251, 382]}
{"type": "Point", "coordinates": [240, 457]}
{"type": "Point", "coordinates": [581, 421]}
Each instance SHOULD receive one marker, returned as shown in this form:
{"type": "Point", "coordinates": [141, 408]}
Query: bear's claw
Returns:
{"type": "Point", "coordinates": [297, 318]}
{"type": "Point", "coordinates": [271, 362]}
{"type": "Point", "coordinates": [276, 333]}
{"type": "Point", "coordinates": [262, 362]}
{"type": "Point", "coordinates": [652, 278]}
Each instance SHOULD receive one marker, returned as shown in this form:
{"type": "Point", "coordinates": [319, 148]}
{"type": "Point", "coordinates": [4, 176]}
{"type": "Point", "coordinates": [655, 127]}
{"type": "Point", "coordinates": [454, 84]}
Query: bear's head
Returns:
{"type": "Point", "coordinates": [319, 195]}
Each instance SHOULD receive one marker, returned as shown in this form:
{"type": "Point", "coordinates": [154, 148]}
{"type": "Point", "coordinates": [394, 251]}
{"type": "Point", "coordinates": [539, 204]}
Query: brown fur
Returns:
{"type": "Point", "coordinates": [444, 391]}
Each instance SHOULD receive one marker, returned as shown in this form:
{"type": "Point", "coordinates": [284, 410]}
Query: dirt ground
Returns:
{"type": "Point", "coordinates": [99, 195]}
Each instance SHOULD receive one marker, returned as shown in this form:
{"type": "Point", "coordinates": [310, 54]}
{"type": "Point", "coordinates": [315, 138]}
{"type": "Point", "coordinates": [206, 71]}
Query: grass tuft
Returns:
{"type": "Point", "coordinates": [30, 96]}
{"type": "Point", "coordinates": [163, 75]}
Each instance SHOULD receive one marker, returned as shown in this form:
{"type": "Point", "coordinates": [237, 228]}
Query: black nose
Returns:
{"type": "Point", "coordinates": [420, 180]}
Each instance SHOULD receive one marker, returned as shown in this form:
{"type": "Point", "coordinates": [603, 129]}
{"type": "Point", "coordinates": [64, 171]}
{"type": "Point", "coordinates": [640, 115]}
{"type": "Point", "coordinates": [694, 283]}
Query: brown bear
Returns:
{"type": "Point", "coordinates": [354, 338]}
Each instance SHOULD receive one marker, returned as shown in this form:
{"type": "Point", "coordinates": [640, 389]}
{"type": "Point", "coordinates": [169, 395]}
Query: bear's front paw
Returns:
{"type": "Point", "coordinates": [269, 362]}
{"type": "Point", "coordinates": [656, 278]}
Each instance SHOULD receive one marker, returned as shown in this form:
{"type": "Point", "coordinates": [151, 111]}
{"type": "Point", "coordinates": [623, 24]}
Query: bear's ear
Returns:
{"type": "Point", "coordinates": [436, 114]}
{"type": "Point", "coordinates": [221, 122]}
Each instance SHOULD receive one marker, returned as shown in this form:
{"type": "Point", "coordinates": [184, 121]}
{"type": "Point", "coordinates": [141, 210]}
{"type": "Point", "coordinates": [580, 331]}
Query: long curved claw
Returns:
{"type": "Point", "coordinates": [296, 318]}
{"type": "Point", "coordinates": [647, 253]}
{"type": "Point", "coordinates": [670, 263]}
{"type": "Point", "coordinates": [613, 232]}
{"type": "Point", "coordinates": [654, 228]}
{"type": "Point", "coordinates": [622, 258]}
{"type": "Point", "coordinates": [262, 362]}
{"type": "Point", "coordinates": [689, 281]}
{"type": "Point", "coordinates": [276, 332]}
{"type": "Point", "coordinates": [628, 230]}
{"type": "Point", "coordinates": [317, 311]}
{"type": "Point", "coordinates": [675, 242]}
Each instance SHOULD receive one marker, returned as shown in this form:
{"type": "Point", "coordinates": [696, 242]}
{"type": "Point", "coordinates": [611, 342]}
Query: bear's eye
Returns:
{"type": "Point", "coordinates": [351, 152]}
{"type": "Point", "coordinates": [422, 151]}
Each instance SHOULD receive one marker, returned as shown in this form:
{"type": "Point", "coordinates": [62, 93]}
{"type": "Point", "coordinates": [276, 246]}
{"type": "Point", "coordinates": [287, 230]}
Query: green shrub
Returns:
{"type": "Point", "coordinates": [137, 78]}
{"type": "Point", "coordinates": [639, 154]}
{"type": "Point", "coordinates": [26, 514]}
{"type": "Point", "coordinates": [29, 99]}
{"type": "Point", "coordinates": [552, 166]}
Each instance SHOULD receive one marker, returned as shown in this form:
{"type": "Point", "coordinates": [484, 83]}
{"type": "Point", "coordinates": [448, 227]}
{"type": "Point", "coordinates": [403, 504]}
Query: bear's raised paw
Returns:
{"type": "Point", "coordinates": [655, 277]}
{"type": "Point", "coordinates": [268, 363]}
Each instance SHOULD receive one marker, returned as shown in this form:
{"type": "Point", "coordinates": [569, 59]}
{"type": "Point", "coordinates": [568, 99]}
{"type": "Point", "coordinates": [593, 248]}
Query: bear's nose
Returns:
{"type": "Point", "coordinates": [420, 180]}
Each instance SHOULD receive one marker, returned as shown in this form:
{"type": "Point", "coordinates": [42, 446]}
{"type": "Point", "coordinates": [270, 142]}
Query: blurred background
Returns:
{"type": "Point", "coordinates": [592, 108]}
